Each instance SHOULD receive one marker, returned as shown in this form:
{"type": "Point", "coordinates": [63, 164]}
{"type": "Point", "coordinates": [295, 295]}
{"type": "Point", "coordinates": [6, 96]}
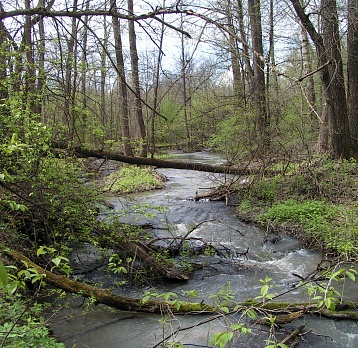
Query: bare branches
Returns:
{"type": "Point", "coordinates": [47, 12]}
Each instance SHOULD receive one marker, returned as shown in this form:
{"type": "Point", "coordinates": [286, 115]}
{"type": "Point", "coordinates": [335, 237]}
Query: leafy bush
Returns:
{"type": "Point", "coordinates": [22, 324]}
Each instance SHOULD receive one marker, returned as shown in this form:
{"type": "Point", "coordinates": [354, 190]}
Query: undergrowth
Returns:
{"type": "Point", "coordinates": [318, 200]}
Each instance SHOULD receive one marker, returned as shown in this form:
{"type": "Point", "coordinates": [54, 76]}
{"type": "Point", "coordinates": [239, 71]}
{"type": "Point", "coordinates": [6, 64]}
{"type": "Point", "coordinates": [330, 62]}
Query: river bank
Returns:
{"type": "Point", "coordinates": [279, 259]}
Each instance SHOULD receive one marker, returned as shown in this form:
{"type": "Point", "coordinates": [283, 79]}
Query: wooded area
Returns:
{"type": "Point", "coordinates": [70, 65]}
{"type": "Point", "coordinates": [272, 85]}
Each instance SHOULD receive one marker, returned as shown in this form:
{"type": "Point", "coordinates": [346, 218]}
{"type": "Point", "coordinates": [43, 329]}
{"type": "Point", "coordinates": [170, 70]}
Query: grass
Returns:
{"type": "Point", "coordinates": [133, 179]}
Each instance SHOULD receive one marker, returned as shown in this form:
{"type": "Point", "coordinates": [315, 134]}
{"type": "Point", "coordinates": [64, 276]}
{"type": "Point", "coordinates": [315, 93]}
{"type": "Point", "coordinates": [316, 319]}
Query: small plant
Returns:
{"type": "Point", "coordinates": [115, 264]}
{"type": "Point", "coordinates": [221, 339]}
{"type": "Point", "coordinates": [224, 298]}
{"type": "Point", "coordinates": [324, 293]}
{"type": "Point", "coordinates": [264, 292]}
{"type": "Point", "coordinates": [273, 344]}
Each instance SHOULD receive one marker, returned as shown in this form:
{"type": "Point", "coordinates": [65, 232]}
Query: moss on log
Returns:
{"type": "Point", "coordinates": [107, 297]}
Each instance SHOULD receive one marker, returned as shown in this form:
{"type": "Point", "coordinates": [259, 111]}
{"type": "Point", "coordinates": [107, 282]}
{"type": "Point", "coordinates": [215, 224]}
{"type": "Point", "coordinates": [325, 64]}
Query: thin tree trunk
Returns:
{"type": "Point", "coordinates": [84, 74]}
{"type": "Point", "coordinates": [122, 86]}
{"type": "Point", "coordinates": [184, 67]}
{"type": "Point", "coordinates": [234, 55]}
{"type": "Point", "coordinates": [307, 68]}
{"type": "Point", "coordinates": [30, 76]}
{"type": "Point", "coordinates": [4, 93]}
{"type": "Point", "coordinates": [41, 72]}
{"type": "Point", "coordinates": [156, 87]}
{"type": "Point", "coordinates": [136, 83]}
{"type": "Point", "coordinates": [248, 72]}
{"type": "Point", "coordinates": [352, 70]}
{"type": "Point", "coordinates": [68, 92]}
{"type": "Point", "coordinates": [103, 108]}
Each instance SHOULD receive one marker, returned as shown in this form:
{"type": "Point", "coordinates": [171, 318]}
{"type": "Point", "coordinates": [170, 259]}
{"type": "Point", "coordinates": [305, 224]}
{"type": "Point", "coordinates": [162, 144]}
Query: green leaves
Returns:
{"type": "Point", "coordinates": [264, 292]}
{"type": "Point", "coordinates": [221, 339]}
{"type": "Point", "coordinates": [3, 276]}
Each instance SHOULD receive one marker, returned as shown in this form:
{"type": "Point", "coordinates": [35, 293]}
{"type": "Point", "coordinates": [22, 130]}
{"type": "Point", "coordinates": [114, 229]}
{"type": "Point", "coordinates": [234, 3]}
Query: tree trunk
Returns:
{"type": "Point", "coordinates": [122, 86]}
{"type": "Point", "coordinates": [4, 94]}
{"type": "Point", "coordinates": [331, 75]}
{"type": "Point", "coordinates": [352, 70]}
{"type": "Point", "coordinates": [41, 70]}
{"type": "Point", "coordinates": [234, 55]}
{"type": "Point", "coordinates": [307, 68]}
{"type": "Point", "coordinates": [339, 128]}
{"type": "Point", "coordinates": [259, 93]}
{"type": "Point", "coordinates": [135, 81]}
{"type": "Point", "coordinates": [84, 67]}
{"type": "Point", "coordinates": [69, 78]}
{"type": "Point", "coordinates": [248, 73]}
{"type": "Point", "coordinates": [30, 75]}
{"type": "Point", "coordinates": [106, 297]}
{"type": "Point", "coordinates": [103, 105]}
{"type": "Point", "coordinates": [169, 164]}
{"type": "Point", "coordinates": [184, 69]}
{"type": "Point", "coordinates": [156, 88]}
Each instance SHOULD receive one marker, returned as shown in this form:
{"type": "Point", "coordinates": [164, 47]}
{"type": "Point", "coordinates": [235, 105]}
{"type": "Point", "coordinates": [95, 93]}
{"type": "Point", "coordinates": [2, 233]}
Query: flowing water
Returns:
{"type": "Point", "coordinates": [248, 255]}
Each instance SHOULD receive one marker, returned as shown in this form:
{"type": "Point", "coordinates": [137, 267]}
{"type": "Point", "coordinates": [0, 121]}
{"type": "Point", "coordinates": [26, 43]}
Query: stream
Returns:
{"type": "Point", "coordinates": [248, 255]}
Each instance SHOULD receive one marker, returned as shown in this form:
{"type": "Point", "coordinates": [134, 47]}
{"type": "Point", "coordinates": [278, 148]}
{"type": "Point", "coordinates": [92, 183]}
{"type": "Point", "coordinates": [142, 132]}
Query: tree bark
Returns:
{"type": "Point", "coordinates": [352, 70]}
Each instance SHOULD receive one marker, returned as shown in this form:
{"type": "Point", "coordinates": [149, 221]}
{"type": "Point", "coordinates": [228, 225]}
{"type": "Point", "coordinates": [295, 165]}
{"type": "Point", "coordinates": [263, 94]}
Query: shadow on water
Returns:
{"type": "Point", "coordinates": [277, 258]}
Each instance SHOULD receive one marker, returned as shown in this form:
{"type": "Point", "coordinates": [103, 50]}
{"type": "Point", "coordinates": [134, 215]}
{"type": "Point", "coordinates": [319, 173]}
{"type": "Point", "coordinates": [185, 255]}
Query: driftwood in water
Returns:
{"type": "Point", "coordinates": [164, 163]}
{"type": "Point", "coordinates": [294, 336]}
{"type": "Point", "coordinates": [106, 296]}
{"type": "Point", "coordinates": [139, 250]}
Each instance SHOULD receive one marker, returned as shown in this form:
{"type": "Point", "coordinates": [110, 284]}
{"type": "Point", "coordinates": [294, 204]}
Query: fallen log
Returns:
{"type": "Point", "coordinates": [281, 319]}
{"type": "Point", "coordinates": [162, 266]}
{"type": "Point", "coordinates": [107, 297]}
{"type": "Point", "coordinates": [80, 152]}
{"type": "Point", "coordinates": [139, 250]}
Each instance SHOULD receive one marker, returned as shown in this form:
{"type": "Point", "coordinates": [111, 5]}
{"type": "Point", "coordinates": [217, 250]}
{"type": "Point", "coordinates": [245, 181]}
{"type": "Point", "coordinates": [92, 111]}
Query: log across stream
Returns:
{"type": "Point", "coordinates": [248, 255]}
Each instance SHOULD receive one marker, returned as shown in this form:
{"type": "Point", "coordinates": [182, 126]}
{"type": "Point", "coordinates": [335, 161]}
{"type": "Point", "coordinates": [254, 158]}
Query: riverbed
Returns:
{"type": "Point", "coordinates": [249, 255]}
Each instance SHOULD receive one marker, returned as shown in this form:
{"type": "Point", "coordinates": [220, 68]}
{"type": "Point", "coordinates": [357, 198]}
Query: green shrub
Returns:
{"type": "Point", "coordinates": [22, 324]}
